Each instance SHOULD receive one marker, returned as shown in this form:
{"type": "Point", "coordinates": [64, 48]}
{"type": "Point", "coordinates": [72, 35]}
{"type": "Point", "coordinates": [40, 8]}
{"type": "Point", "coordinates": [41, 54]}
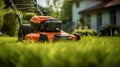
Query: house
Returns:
{"type": "Point", "coordinates": [97, 13]}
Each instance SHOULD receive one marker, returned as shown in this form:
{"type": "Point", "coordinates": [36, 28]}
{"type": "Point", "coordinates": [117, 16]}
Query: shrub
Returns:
{"type": "Point", "coordinates": [1, 13]}
{"type": "Point", "coordinates": [86, 32]}
{"type": "Point", "coordinates": [0, 22]}
{"type": "Point", "coordinates": [27, 16]}
{"type": "Point", "coordinates": [111, 30]}
{"type": "Point", "coordinates": [9, 24]}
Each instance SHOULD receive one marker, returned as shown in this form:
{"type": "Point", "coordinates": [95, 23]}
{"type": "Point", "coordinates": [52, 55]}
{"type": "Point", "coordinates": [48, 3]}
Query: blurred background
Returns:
{"type": "Point", "coordinates": [86, 17]}
{"type": "Point", "coordinates": [99, 16]}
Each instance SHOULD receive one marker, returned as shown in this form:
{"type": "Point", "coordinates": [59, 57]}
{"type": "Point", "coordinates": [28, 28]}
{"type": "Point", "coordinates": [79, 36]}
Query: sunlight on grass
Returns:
{"type": "Point", "coordinates": [88, 52]}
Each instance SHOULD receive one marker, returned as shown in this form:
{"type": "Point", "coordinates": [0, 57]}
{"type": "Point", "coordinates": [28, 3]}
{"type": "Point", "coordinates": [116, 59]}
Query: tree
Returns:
{"type": "Point", "coordinates": [66, 14]}
{"type": "Point", "coordinates": [54, 7]}
{"type": "Point", "coordinates": [2, 12]}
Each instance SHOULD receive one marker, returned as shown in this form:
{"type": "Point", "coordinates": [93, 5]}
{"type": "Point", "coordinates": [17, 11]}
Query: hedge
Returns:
{"type": "Point", "coordinates": [111, 30]}
{"type": "Point", "coordinates": [86, 32]}
{"type": "Point", "coordinates": [10, 24]}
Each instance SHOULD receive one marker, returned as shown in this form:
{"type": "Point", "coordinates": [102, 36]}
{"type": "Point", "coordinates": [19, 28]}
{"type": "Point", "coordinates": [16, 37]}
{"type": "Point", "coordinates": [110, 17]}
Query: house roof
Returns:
{"type": "Point", "coordinates": [105, 4]}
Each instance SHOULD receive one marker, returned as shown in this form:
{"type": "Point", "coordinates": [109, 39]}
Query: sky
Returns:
{"type": "Point", "coordinates": [42, 3]}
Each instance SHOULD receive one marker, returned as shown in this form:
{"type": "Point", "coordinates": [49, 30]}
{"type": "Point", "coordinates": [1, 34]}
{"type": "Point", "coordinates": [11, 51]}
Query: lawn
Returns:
{"type": "Point", "coordinates": [88, 52]}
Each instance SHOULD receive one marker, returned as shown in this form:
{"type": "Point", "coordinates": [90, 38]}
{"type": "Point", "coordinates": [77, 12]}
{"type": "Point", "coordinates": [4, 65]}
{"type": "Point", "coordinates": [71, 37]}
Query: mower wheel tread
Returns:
{"type": "Point", "coordinates": [77, 36]}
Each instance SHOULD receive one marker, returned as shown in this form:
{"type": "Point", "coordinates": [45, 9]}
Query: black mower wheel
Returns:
{"type": "Point", "coordinates": [43, 37]}
{"type": "Point", "coordinates": [78, 36]}
{"type": "Point", "coordinates": [23, 30]}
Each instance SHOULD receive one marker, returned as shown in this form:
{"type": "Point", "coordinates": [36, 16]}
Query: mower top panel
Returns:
{"type": "Point", "coordinates": [39, 19]}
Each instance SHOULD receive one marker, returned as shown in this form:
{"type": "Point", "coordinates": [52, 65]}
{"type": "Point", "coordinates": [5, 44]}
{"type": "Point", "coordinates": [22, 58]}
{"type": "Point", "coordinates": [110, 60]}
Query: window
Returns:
{"type": "Point", "coordinates": [99, 22]}
{"type": "Point", "coordinates": [77, 4]}
{"type": "Point", "coordinates": [88, 20]}
{"type": "Point", "coordinates": [113, 17]}
{"type": "Point", "coordinates": [99, 19]}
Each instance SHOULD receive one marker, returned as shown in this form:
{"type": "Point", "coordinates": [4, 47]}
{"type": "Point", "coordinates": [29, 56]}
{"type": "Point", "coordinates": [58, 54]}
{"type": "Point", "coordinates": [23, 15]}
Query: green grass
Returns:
{"type": "Point", "coordinates": [88, 52]}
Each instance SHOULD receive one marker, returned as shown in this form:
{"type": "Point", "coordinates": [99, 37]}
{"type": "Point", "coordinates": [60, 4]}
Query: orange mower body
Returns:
{"type": "Point", "coordinates": [49, 36]}
{"type": "Point", "coordinates": [44, 28]}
